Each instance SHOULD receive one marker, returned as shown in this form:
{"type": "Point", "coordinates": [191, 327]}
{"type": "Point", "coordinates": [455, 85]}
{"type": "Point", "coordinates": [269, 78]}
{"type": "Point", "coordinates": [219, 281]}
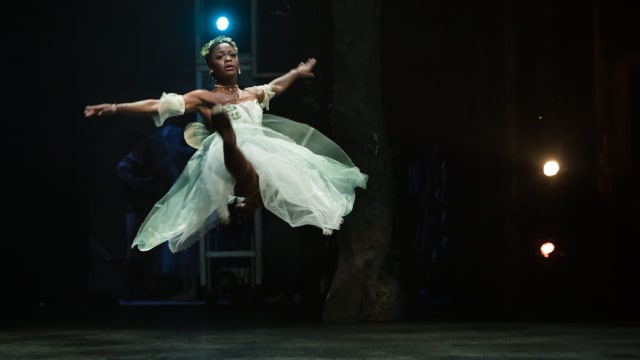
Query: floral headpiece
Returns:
{"type": "Point", "coordinates": [206, 49]}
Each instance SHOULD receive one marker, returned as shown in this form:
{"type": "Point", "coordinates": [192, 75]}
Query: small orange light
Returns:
{"type": "Point", "coordinates": [547, 248]}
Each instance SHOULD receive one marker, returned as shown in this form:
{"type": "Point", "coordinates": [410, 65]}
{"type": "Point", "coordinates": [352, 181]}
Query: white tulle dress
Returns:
{"type": "Point", "coordinates": [305, 178]}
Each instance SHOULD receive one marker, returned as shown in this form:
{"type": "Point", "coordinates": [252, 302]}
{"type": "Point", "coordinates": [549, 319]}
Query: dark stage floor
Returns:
{"type": "Point", "coordinates": [196, 331]}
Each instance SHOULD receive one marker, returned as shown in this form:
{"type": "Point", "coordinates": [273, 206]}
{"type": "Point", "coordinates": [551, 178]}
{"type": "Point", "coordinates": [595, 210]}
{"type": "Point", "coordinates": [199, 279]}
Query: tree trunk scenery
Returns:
{"type": "Point", "coordinates": [365, 287]}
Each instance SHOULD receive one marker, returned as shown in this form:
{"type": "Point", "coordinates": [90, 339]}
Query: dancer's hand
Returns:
{"type": "Point", "coordinates": [305, 68]}
{"type": "Point", "coordinates": [100, 110]}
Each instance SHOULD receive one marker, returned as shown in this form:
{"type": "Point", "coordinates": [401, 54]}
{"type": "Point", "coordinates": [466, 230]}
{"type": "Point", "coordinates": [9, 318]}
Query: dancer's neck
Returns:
{"type": "Point", "coordinates": [228, 89]}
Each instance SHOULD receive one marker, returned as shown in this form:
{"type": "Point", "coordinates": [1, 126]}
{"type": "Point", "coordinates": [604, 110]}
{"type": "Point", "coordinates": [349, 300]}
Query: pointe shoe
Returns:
{"type": "Point", "coordinates": [244, 210]}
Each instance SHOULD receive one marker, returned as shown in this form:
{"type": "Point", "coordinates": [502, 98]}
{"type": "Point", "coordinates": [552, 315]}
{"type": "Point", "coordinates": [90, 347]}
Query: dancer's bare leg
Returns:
{"type": "Point", "coordinates": [247, 181]}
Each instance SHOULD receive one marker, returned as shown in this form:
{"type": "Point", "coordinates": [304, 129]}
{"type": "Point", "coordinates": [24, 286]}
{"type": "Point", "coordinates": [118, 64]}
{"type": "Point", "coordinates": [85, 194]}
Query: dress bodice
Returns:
{"type": "Point", "coordinates": [249, 112]}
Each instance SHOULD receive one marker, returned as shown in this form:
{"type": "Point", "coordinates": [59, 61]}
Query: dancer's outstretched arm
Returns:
{"type": "Point", "coordinates": [196, 100]}
{"type": "Point", "coordinates": [283, 82]}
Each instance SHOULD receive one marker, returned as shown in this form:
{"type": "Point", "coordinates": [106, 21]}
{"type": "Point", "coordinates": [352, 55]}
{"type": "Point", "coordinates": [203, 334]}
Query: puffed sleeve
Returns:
{"type": "Point", "coordinates": [268, 95]}
{"type": "Point", "coordinates": [171, 104]}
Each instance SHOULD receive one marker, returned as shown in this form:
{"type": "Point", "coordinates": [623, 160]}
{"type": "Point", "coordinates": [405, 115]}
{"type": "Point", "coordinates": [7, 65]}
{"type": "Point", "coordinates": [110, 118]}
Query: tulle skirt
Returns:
{"type": "Point", "coordinates": [305, 179]}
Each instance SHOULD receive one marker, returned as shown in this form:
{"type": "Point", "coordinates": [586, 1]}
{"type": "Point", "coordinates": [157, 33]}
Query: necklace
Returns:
{"type": "Point", "coordinates": [229, 89]}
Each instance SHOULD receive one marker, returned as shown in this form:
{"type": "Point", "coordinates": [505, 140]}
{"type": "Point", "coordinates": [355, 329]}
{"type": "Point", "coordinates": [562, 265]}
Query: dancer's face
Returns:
{"type": "Point", "coordinates": [225, 61]}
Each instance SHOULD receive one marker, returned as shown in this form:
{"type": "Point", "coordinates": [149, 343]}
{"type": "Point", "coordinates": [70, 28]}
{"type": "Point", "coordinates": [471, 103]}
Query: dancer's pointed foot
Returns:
{"type": "Point", "coordinates": [244, 210]}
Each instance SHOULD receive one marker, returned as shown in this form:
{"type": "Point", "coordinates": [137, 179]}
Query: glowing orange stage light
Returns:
{"type": "Point", "coordinates": [551, 168]}
{"type": "Point", "coordinates": [547, 248]}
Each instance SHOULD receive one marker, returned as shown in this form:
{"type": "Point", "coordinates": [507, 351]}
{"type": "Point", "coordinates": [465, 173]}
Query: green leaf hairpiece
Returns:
{"type": "Point", "coordinates": [206, 49]}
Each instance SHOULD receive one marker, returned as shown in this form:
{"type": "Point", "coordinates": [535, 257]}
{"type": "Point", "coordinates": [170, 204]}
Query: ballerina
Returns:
{"type": "Point", "coordinates": [244, 156]}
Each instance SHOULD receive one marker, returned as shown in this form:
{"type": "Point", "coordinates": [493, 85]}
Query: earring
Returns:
{"type": "Point", "coordinates": [239, 71]}
{"type": "Point", "coordinates": [213, 76]}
